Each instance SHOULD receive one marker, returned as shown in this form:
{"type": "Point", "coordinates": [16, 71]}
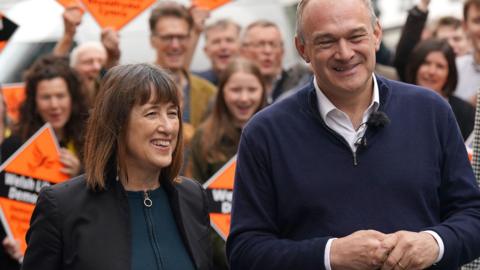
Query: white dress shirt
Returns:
{"type": "Point", "coordinates": [339, 121]}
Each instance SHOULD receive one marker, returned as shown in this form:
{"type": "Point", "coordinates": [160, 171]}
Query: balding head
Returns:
{"type": "Point", "coordinates": [303, 3]}
{"type": "Point", "coordinates": [88, 59]}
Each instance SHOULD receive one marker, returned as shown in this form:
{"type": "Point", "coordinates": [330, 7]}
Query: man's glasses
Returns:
{"type": "Point", "coordinates": [170, 38]}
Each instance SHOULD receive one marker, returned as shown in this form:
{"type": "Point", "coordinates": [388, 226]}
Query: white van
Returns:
{"type": "Point", "coordinates": [40, 26]}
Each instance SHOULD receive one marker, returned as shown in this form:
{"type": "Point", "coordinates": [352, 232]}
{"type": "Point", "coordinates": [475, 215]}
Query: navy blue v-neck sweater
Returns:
{"type": "Point", "coordinates": [297, 183]}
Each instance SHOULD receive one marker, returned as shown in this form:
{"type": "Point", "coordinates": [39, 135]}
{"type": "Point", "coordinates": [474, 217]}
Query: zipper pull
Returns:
{"type": "Point", "coordinates": [146, 199]}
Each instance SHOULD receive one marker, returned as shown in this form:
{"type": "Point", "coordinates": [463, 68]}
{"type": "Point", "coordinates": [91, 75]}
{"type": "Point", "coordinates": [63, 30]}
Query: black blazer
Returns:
{"type": "Point", "coordinates": [464, 113]}
{"type": "Point", "coordinates": [73, 227]}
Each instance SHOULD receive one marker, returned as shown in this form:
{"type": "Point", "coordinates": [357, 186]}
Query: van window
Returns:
{"type": "Point", "coordinates": [13, 63]}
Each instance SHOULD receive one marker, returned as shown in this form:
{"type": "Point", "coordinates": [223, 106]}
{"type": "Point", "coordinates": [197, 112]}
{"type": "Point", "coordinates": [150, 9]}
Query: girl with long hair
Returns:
{"type": "Point", "coordinates": [241, 94]}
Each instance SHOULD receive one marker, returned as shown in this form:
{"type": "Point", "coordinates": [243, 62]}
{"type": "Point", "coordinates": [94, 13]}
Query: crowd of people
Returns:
{"type": "Point", "coordinates": [320, 169]}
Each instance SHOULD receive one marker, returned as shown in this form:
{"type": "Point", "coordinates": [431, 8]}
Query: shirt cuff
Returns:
{"type": "Point", "coordinates": [441, 247]}
{"type": "Point", "coordinates": [326, 256]}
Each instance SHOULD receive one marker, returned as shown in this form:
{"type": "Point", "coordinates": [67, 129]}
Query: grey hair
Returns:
{"type": "Point", "coordinates": [83, 47]}
{"type": "Point", "coordinates": [222, 24]}
{"type": "Point", "coordinates": [258, 23]}
{"type": "Point", "coordinates": [303, 3]}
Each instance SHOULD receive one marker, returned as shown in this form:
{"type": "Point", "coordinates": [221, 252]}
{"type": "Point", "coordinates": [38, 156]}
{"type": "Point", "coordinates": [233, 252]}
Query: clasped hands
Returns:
{"type": "Point", "coordinates": [375, 250]}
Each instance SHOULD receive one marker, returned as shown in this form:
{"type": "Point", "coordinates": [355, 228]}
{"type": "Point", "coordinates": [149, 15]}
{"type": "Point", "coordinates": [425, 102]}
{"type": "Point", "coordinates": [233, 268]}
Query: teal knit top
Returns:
{"type": "Point", "coordinates": [156, 241]}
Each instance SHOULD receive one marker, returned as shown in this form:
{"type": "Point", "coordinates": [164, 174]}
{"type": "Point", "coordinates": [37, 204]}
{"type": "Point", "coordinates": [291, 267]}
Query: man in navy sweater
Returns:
{"type": "Point", "coordinates": [354, 171]}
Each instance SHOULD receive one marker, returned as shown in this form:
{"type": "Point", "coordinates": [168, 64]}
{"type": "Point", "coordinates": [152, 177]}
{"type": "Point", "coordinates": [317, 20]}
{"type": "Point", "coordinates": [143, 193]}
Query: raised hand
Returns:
{"type": "Point", "coordinates": [111, 41]}
{"type": "Point", "coordinates": [423, 5]}
{"type": "Point", "coordinates": [71, 163]}
{"type": "Point", "coordinates": [12, 248]}
{"type": "Point", "coordinates": [72, 17]}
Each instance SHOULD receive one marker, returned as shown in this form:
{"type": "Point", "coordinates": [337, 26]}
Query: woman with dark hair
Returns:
{"type": "Point", "coordinates": [130, 210]}
{"type": "Point", "coordinates": [53, 95]}
{"type": "Point", "coordinates": [241, 94]}
{"type": "Point", "coordinates": [432, 65]}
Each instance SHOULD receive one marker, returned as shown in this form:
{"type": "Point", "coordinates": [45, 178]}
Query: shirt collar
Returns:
{"type": "Point", "coordinates": [325, 106]}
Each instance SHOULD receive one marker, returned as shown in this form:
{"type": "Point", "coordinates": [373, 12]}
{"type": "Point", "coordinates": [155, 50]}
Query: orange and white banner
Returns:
{"type": "Point", "coordinates": [33, 166]}
{"type": "Point", "coordinates": [115, 13]}
{"type": "Point", "coordinates": [220, 190]}
{"type": "Point", "coordinates": [210, 4]}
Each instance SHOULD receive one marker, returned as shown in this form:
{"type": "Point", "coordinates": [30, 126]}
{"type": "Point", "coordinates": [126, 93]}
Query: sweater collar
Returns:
{"type": "Point", "coordinates": [309, 96]}
{"type": "Point", "coordinates": [325, 106]}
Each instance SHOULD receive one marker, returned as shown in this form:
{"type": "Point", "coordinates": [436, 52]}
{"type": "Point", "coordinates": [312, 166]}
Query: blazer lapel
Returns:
{"type": "Point", "coordinates": [179, 218]}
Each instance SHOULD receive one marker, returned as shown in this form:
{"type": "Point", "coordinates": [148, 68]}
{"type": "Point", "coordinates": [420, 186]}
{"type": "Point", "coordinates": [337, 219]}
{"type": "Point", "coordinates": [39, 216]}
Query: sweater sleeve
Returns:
{"type": "Point", "coordinates": [44, 244]}
{"type": "Point", "coordinates": [459, 200]}
{"type": "Point", "coordinates": [411, 34]}
{"type": "Point", "coordinates": [255, 240]}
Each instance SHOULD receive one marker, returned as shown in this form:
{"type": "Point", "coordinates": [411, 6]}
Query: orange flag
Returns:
{"type": "Point", "coordinates": [219, 190]}
{"type": "Point", "coordinates": [69, 3]}
{"type": "Point", "coordinates": [73, 4]}
{"type": "Point", "coordinates": [115, 13]}
{"type": "Point", "coordinates": [14, 95]}
{"type": "Point", "coordinates": [34, 165]}
{"type": "Point", "coordinates": [210, 4]}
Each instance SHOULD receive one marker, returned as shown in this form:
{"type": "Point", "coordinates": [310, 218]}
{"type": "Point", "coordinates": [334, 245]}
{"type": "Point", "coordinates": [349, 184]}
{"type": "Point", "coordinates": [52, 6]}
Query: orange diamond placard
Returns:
{"type": "Point", "coordinates": [220, 190]}
{"type": "Point", "coordinates": [69, 3]}
{"type": "Point", "coordinates": [72, 4]}
{"type": "Point", "coordinates": [115, 13]}
{"type": "Point", "coordinates": [210, 4]}
{"type": "Point", "coordinates": [38, 158]}
{"type": "Point", "coordinates": [34, 165]}
{"type": "Point", "coordinates": [17, 215]}
{"type": "Point", "coordinates": [14, 95]}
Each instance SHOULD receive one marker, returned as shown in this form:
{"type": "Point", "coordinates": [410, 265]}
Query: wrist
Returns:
{"type": "Point", "coordinates": [440, 244]}
{"type": "Point", "coordinates": [68, 35]}
{"type": "Point", "coordinates": [423, 7]}
{"type": "Point", "coordinates": [114, 54]}
{"type": "Point", "coordinates": [335, 259]}
{"type": "Point", "coordinates": [435, 246]}
{"type": "Point", "coordinates": [198, 29]}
